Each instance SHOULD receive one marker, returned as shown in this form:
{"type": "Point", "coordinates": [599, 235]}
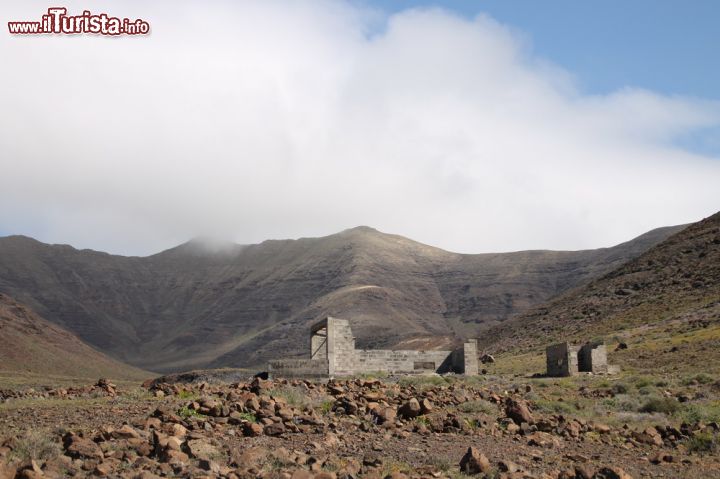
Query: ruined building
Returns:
{"type": "Point", "coordinates": [565, 359]}
{"type": "Point", "coordinates": [333, 353]}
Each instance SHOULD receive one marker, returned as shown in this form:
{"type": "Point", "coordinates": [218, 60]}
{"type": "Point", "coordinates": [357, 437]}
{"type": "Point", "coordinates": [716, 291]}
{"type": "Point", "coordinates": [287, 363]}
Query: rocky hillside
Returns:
{"type": "Point", "coordinates": [31, 344]}
{"type": "Point", "coordinates": [229, 305]}
{"type": "Point", "coordinates": [665, 303]}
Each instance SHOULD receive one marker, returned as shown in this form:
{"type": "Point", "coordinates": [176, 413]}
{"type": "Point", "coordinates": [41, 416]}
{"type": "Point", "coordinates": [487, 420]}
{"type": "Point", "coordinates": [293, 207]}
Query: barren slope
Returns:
{"type": "Point", "coordinates": [665, 304]}
{"type": "Point", "coordinates": [31, 344]}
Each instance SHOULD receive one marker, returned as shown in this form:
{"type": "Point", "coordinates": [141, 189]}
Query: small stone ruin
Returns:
{"type": "Point", "coordinates": [565, 359]}
{"type": "Point", "coordinates": [333, 354]}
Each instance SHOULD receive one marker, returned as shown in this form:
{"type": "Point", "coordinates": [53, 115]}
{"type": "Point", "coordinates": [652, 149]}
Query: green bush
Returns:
{"type": "Point", "coordinates": [701, 378]}
{"type": "Point", "coordinates": [702, 443]}
{"type": "Point", "coordinates": [186, 412]}
{"type": "Point", "coordinates": [248, 416]}
{"type": "Point", "coordinates": [661, 405]}
{"type": "Point", "coordinates": [620, 388]}
{"type": "Point", "coordinates": [479, 406]}
{"type": "Point", "coordinates": [557, 407]}
{"type": "Point", "coordinates": [642, 382]}
{"type": "Point", "coordinates": [695, 413]}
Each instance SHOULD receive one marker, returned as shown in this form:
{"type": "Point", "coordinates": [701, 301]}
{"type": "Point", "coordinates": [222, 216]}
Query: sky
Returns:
{"type": "Point", "coordinates": [481, 126]}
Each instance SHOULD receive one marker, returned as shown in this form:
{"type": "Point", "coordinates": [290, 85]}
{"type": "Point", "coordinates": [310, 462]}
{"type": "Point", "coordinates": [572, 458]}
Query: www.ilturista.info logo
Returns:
{"type": "Point", "coordinates": [58, 21]}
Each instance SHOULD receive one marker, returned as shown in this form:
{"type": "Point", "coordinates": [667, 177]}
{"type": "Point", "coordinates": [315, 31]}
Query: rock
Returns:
{"type": "Point", "coordinates": [410, 409]}
{"type": "Point", "coordinates": [126, 432]}
{"type": "Point", "coordinates": [474, 462]}
{"type": "Point", "coordinates": [174, 443]}
{"type": "Point", "coordinates": [78, 447]}
{"type": "Point", "coordinates": [210, 466]}
{"type": "Point", "coordinates": [518, 411]}
{"type": "Point", "coordinates": [426, 406]}
{"type": "Point", "coordinates": [487, 358]}
{"type": "Point", "coordinates": [661, 457]}
{"type": "Point", "coordinates": [507, 466]}
{"type": "Point", "coordinates": [612, 473]}
{"type": "Point", "coordinates": [7, 471]}
{"type": "Point", "coordinates": [621, 346]}
{"type": "Point", "coordinates": [301, 474]}
{"type": "Point", "coordinates": [201, 449]}
{"type": "Point", "coordinates": [584, 472]}
{"type": "Point", "coordinates": [385, 414]}
{"type": "Point", "coordinates": [172, 456]}
{"type": "Point", "coordinates": [252, 429]}
{"type": "Point", "coordinates": [103, 469]}
{"type": "Point", "coordinates": [649, 436]}
{"type": "Point", "coordinates": [543, 439]}
{"type": "Point", "coordinates": [274, 429]}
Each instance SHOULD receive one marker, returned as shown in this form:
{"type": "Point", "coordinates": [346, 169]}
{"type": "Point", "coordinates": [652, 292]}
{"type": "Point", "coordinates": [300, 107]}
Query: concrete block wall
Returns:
{"type": "Point", "coordinates": [333, 353]}
{"type": "Point", "coordinates": [562, 360]}
{"type": "Point", "coordinates": [565, 359]}
{"type": "Point", "coordinates": [403, 362]}
{"type": "Point", "coordinates": [593, 358]}
{"type": "Point", "coordinates": [340, 347]}
{"type": "Point", "coordinates": [470, 358]}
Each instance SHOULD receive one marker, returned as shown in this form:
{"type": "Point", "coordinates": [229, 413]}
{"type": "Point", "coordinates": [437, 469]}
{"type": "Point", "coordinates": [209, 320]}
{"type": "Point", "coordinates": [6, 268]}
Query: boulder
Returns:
{"type": "Point", "coordinates": [612, 473]}
{"type": "Point", "coordinates": [518, 411]}
{"type": "Point", "coordinates": [202, 449]}
{"type": "Point", "coordinates": [474, 462]}
{"type": "Point", "coordinates": [79, 447]}
{"type": "Point", "coordinates": [410, 409]}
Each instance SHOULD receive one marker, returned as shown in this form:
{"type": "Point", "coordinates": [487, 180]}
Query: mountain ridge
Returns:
{"type": "Point", "coordinates": [242, 304]}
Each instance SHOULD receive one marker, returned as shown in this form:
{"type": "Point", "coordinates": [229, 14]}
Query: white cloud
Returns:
{"type": "Point", "coordinates": [254, 120]}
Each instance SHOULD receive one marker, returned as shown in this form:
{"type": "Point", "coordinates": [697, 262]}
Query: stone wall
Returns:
{"type": "Point", "coordinates": [565, 359]}
{"type": "Point", "coordinates": [333, 353]}
{"type": "Point", "coordinates": [562, 360]}
{"type": "Point", "coordinates": [593, 358]}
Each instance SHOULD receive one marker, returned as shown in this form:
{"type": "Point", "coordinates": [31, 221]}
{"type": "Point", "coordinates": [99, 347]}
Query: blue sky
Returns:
{"type": "Point", "coordinates": [667, 46]}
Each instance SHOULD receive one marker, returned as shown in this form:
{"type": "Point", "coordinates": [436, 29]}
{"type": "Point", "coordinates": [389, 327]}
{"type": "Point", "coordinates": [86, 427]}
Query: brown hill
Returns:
{"type": "Point", "coordinates": [665, 305]}
{"type": "Point", "coordinates": [31, 344]}
{"type": "Point", "coordinates": [228, 305]}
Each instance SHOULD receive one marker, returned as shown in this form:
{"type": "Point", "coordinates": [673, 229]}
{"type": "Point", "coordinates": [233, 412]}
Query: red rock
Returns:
{"type": "Point", "coordinates": [79, 447]}
{"type": "Point", "coordinates": [474, 462]}
{"type": "Point", "coordinates": [518, 411]}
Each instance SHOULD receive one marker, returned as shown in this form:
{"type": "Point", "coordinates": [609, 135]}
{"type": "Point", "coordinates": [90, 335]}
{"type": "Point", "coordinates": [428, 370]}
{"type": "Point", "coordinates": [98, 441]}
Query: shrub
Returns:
{"type": "Point", "coordinates": [248, 416]}
{"type": "Point", "coordinates": [189, 395]}
{"type": "Point", "coordinates": [326, 406]}
{"type": "Point", "coordinates": [292, 396]}
{"type": "Point", "coordinates": [35, 445]}
{"type": "Point", "coordinates": [702, 443]}
{"type": "Point", "coordinates": [694, 413]}
{"type": "Point", "coordinates": [701, 378]}
{"type": "Point", "coordinates": [422, 420]}
{"type": "Point", "coordinates": [557, 407]}
{"type": "Point", "coordinates": [641, 382]}
{"type": "Point", "coordinates": [661, 405]}
{"type": "Point", "coordinates": [620, 388]}
{"type": "Point", "coordinates": [479, 406]}
{"type": "Point", "coordinates": [186, 412]}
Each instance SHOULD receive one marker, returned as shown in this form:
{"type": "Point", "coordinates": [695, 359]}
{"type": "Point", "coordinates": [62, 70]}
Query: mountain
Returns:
{"type": "Point", "coordinates": [664, 305]}
{"type": "Point", "coordinates": [207, 304]}
{"type": "Point", "coordinates": [32, 344]}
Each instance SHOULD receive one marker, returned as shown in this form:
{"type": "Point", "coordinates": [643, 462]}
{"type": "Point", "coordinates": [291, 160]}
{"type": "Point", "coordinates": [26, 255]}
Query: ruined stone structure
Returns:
{"type": "Point", "coordinates": [333, 353]}
{"type": "Point", "coordinates": [565, 359]}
